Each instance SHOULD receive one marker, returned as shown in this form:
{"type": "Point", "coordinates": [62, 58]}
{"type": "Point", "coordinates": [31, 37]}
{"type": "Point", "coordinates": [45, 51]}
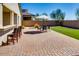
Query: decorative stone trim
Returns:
{"type": "Point", "coordinates": [4, 31]}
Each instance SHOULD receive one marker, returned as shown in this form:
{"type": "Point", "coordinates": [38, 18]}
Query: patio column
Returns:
{"type": "Point", "coordinates": [1, 16]}
{"type": "Point", "coordinates": [12, 18]}
{"type": "Point", "coordinates": [19, 20]}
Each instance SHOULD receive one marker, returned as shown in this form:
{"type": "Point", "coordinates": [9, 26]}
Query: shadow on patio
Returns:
{"type": "Point", "coordinates": [34, 32]}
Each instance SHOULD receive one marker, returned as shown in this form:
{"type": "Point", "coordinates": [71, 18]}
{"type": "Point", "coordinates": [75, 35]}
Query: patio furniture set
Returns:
{"type": "Point", "coordinates": [43, 28]}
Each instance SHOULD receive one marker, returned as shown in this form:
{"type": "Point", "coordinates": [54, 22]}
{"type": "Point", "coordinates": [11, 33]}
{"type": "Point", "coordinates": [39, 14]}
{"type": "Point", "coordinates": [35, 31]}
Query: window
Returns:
{"type": "Point", "coordinates": [6, 16]}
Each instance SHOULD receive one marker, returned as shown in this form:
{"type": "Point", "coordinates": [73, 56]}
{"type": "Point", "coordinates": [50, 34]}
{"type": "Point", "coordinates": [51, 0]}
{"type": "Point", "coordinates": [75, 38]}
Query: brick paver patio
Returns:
{"type": "Point", "coordinates": [44, 44]}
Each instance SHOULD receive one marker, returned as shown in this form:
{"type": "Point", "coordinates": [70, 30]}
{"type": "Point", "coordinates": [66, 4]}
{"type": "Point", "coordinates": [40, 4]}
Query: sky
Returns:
{"type": "Point", "coordinates": [68, 8]}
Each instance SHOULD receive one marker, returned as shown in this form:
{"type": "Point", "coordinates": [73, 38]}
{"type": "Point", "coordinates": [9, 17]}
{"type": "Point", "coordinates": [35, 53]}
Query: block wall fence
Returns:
{"type": "Point", "coordinates": [30, 23]}
{"type": "Point", "coordinates": [68, 23]}
{"type": "Point", "coordinates": [71, 23]}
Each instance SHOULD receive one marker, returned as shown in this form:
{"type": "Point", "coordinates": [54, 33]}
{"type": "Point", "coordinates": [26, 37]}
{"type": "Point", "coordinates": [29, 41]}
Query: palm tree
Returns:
{"type": "Point", "coordinates": [58, 15]}
{"type": "Point", "coordinates": [77, 13]}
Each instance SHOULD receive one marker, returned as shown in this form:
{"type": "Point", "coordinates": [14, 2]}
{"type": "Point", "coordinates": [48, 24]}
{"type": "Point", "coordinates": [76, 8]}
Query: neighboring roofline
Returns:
{"type": "Point", "coordinates": [27, 15]}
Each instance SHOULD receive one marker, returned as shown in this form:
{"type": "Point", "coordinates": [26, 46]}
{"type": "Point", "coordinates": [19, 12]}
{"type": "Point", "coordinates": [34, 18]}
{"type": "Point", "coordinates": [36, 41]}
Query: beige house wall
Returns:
{"type": "Point", "coordinates": [1, 16]}
{"type": "Point", "coordinates": [14, 8]}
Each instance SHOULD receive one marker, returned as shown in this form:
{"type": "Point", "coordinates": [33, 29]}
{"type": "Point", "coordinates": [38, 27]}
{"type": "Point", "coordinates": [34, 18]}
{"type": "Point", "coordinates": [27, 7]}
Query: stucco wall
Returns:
{"type": "Point", "coordinates": [1, 15]}
{"type": "Point", "coordinates": [14, 7]}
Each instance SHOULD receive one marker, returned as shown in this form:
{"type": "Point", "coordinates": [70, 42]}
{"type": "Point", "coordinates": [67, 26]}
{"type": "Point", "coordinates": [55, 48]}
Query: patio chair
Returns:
{"type": "Point", "coordinates": [13, 36]}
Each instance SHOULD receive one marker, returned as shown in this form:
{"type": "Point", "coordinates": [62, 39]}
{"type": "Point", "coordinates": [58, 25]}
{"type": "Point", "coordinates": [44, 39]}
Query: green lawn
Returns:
{"type": "Point", "coordinates": [67, 31]}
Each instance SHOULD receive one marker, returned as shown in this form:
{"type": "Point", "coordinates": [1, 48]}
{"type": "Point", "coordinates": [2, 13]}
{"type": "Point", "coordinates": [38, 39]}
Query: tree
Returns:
{"type": "Point", "coordinates": [77, 13]}
{"type": "Point", "coordinates": [37, 14]}
{"type": "Point", "coordinates": [57, 15]}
